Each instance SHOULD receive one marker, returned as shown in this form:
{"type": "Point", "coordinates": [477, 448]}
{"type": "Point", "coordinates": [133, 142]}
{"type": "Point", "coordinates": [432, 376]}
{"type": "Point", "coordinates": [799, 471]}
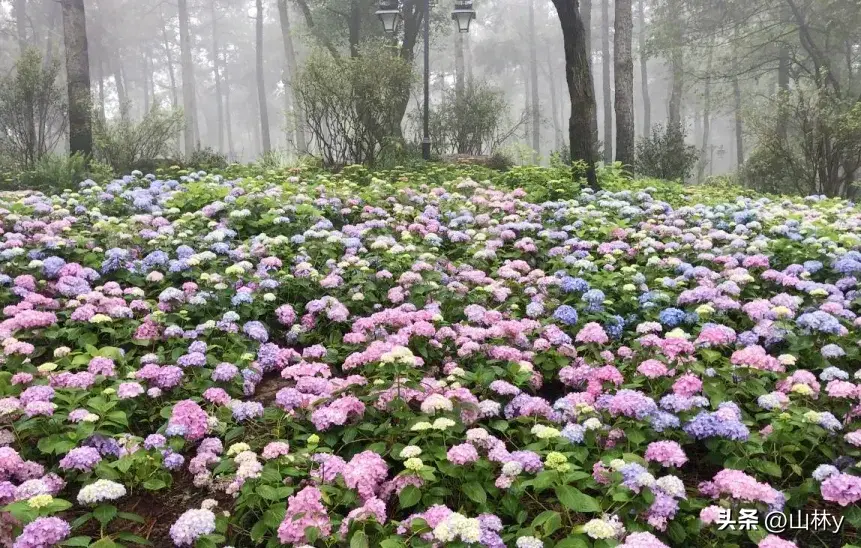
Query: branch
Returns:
{"type": "Point", "coordinates": [309, 20]}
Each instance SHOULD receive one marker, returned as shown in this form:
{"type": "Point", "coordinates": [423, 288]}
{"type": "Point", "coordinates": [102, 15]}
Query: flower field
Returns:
{"type": "Point", "coordinates": [424, 359]}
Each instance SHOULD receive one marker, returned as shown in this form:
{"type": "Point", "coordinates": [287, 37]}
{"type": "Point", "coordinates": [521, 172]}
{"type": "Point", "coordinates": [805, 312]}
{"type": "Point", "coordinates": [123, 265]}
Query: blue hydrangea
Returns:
{"type": "Point", "coordinates": [566, 314]}
{"type": "Point", "coordinates": [672, 317]}
{"type": "Point", "coordinates": [571, 285]}
{"type": "Point", "coordinates": [573, 433]}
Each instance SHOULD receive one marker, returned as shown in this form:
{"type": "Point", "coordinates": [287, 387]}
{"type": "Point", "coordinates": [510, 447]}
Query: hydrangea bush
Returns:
{"type": "Point", "coordinates": [424, 360]}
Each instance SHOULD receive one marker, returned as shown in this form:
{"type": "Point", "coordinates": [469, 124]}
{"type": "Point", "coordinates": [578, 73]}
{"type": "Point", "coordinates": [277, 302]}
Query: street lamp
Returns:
{"type": "Point", "coordinates": [463, 14]}
{"type": "Point", "coordinates": [389, 13]}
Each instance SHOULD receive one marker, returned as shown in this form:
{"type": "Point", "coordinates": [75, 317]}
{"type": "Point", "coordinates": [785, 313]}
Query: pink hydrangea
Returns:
{"type": "Point", "coordinates": [337, 412]}
{"type": "Point", "coordinates": [372, 508]}
{"type": "Point", "coordinates": [462, 454]}
{"type": "Point", "coordinates": [687, 385]}
{"type": "Point", "coordinates": [740, 486]}
{"type": "Point", "coordinates": [652, 369]}
{"type": "Point", "coordinates": [711, 514]}
{"type": "Point", "coordinates": [275, 449]}
{"type": "Point", "coordinates": [642, 540]}
{"type": "Point", "coordinates": [842, 489]}
{"type": "Point", "coordinates": [304, 509]}
{"type": "Point", "coordinates": [365, 472]}
{"type": "Point", "coordinates": [187, 420]}
{"type": "Point", "coordinates": [592, 333]}
{"type": "Point", "coordinates": [774, 541]}
{"type": "Point", "coordinates": [667, 453]}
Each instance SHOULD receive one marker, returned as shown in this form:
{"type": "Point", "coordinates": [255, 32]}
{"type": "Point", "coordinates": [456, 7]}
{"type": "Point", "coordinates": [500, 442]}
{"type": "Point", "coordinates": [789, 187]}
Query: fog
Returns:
{"type": "Point", "coordinates": [136, 61]}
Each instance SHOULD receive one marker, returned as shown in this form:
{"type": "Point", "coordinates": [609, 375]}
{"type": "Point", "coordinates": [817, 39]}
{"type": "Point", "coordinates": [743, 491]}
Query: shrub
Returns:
{"type": "Point", "coordinates": [53, 173]}
{"type": "Point", "coordinates": [664, 154]}
{"type": "Point", "coordinates": [500, 161]}
{"type": "Point", "coordinates": [125, 144]}
{"type": "Point", "coordinates": [807, 142]}
{"type": "Point", "coordinates": [354, 106]}
{"type": "Point", "coordinates": [32, 110]}
{"type": "Point", "coordinates": [206, 159]}
{"type": "Point", "coordinates": [472, 122]}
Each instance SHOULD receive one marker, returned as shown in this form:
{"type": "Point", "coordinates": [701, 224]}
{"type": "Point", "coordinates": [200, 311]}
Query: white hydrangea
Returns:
{"type": "Point", "coordinates": [512, 468]}
{"type": "Point", "coordinates": [410, 451]}
{"type": "Point", "coordinates": [617, 464]}
{"type": "Point", "coordinates": [592, 424]}
{"type": "Point", "coordinates": [436, 402]}
{"type": "Point", "coordinates": [442, 423]}
{"type": "Point", "coordinates": [100, 491]}
{"type": "Point", "coordinates": [672, 486]}
{"type": "Point", "coordinates": [458, 526]}
{"type": "Point", "coordinates": [529, 542]}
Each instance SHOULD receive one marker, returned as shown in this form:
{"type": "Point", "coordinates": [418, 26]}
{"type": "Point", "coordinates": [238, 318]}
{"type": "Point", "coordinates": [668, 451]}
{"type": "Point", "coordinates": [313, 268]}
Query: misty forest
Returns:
{"type": "Point", "coordinates": [765, 93]}
{"type": "Point", "coordinates": [430, 273]}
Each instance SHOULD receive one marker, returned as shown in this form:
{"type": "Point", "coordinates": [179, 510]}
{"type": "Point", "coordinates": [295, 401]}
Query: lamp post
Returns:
{"type": "Point", "coordinates": [389, 13]}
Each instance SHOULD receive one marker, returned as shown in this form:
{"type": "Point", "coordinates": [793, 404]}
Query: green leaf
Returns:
{"type": "Point", "coordinates": [154, 484]}
{"type": "Point", "coordinates": [105, 513]}
{"type": "Point", "coordinates": [392, 543]}
{"type": "Point", "coordinates": [58, 505]}
{"type": "Point", "coordinates": [574, 499]}
{"type": "Point", "coordinates": [572, 542]}
{"type": "Point", "coordinates": [129, 537]}
{"type": "Point", "coordinates": [312, 534]}
{"type": "Point", "coordinates": [409, 496]}
{"type": "Point", "coordinates": [104, 543]}
{"type": "Point", "coordinates": [635, 436]}
{"type": "Point", "coordinates": [268, 492]}
{"type": "Point", "coordinates": [259, 530]}
{"type": "Point", "coordinates": [77, 541]}
{"type": "Point", "coordinates": [359, 540]}
{"type": "Point", "coordinates": [853, 516]}
{"type": "Point", "coordinates": [475, 492]}
{"type": "Point", "coordinates": [275, 515]}
{"type": "Point", "coordinates": [767, 467]}
{"type": "Point", "coordinates": [130, 517]}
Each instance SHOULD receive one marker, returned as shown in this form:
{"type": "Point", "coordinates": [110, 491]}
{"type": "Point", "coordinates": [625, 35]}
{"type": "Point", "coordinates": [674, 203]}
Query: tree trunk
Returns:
{"type": "Point", "coordinates": [20, 8]}
{"type": "Point", "coordinates": [644, 72]}
{"type": "Point", "coordinates": [145, 76]}
{"type": "Point", "coordinates": [707, 106]}
{"type": "Point", "coordinates": [219, 103]}
{"type": "Point", "coordinates": [607, 93]}
{"type": "Point", "coordinates": [228, 122]}
{"type": "Point", "coordinates": [468, 56]}
{"type": "Point", "coordinates": [253, 115]}
{"type": "Point", "coordinates": [261, 86]}
{"type": "Point", "coordinates": [736, 92]}
{"type": "Point", "coordinates": [783, 87]}
{"type": "Point", "coordinates": [101, 68]}
{"type": "Point", "coordinates": [54, 13]}
{"type": "Point", "coordinates": [459, 76]}
{"type": "Point", "coordinates": [554, 100]}
{"type": "Point", "coordinates": [527, 111]}
{"type": "Point", "coordinates": [623, 72]}
{"type": "Point", "coordinates": [413, 15]}
{"type": "Point", "coordinates": [586, 16]}
{"type": "Point", "coordinates": [533, 76]}
{"type": "Point", "coordinates": [188, 99]}
{"type": "Point", "coordinates": [122, 98]}
{"type": "Point", "coordinates": [674, 109]}
{"type": "Point", "coordinates": [78, 77]}
{"type": "Point", "coordinates": [291, 68]}
{"type": "Point", "coordinates": [578, 74]}
{"type": "Point", "coordinates": [739, 140]}
{"type": "Point", "coordinates": [170, 69]}
{"type": "Point", "coordinates": [355, 26]}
